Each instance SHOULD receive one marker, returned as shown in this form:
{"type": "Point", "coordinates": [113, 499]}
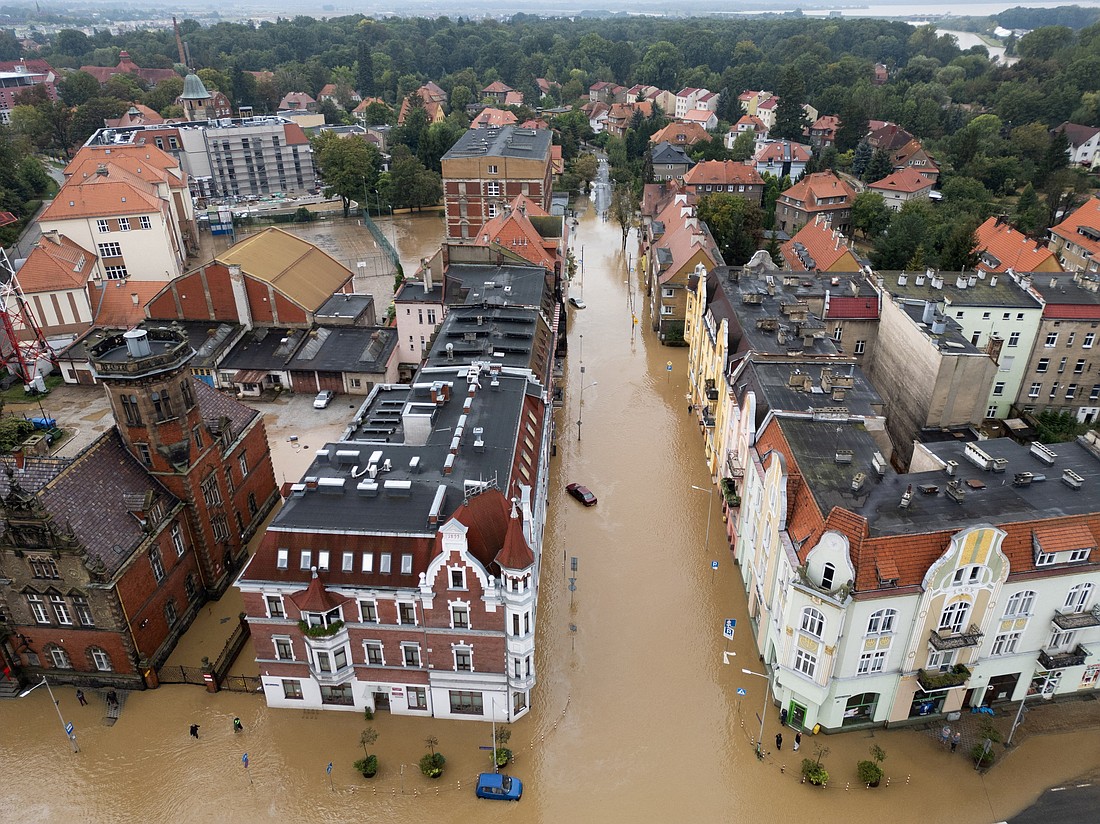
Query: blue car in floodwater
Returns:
{"type": "Point", "coordinates": [500, 786]}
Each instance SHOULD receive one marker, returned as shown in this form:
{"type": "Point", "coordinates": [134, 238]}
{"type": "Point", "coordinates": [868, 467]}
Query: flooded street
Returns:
{"type": "Point", "coordinates": [635, 716]}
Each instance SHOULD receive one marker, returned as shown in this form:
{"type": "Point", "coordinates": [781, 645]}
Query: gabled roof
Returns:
{"type": "Point", "coordinates": [493, 117]}
{"type": "Point", "coordinates": [1076, 134]}
{"type": "Point", "coordinates": [496, 87]}
{"type": "Point", "coordinates": [782, 151]}
{"type": "Point", "coordinates": [667, 154]}
{"type": "Point", "coordinates": [297, 268]}
{"type": "Point", "coordinates": [296, 100]}
{"type": "Point", "coordinates": [889, 136]}
{"type": "Point", "coordinates": [817, 246]}
{"type": "Point", "coordinates": [122, 305]}
{"type": "Point", "coordinates": [680, 134]}
{"type": "Point", "coordinates": [817, 187]}
{"type": "Point", "coordinates": [99, 199]}
{"type": "Point", "coordinates": [137, 115]}
{"type": "Point", "coordinates": [135, 161]}
{"type": "Point", "coordinates": [1082, 227]}
{"type": "Point", "coordinates": [826, 123]}
{"type": "Point", "coordinates": [1002, 247]}
{"type": "Point", "coordinates": [907, 180]}
{"type": "Point", "coordinates": [902, 156]}
{"type": "Point", "coordinates": [699, 116]}
{"type": "Point", "coordinates": [749, 122]}
{"type": "Point", "coordinates": [513, 231]}
{"type": "Point", "coordinates": [722, 173]}
{"type": "Point", "coordinates": [56, 263]}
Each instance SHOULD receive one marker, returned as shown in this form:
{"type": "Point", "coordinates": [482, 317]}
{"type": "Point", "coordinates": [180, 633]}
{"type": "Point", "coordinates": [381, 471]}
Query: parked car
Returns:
{"type": "Point", "coordinates": [582, 494]}
{"type": "Point", "coordinates": [578, 303]}
{"type": "Point", "coordinates": [323, 399]}
{"type": "Point", "coordinates": [500, 786]}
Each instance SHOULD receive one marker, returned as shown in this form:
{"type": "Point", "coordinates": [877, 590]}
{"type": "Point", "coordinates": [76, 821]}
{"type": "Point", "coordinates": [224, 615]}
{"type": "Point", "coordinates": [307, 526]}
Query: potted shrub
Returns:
{"type": "Point", "coordinates": [432, 763]}
{"type": "Point", "coordinates": [812, 768]}
{"type": "Point", "coordinates": [368, 764]}
{"type": "Point", "coordinates": [870, 772]}
{"type": "Point", "coordinates": [502, 755]}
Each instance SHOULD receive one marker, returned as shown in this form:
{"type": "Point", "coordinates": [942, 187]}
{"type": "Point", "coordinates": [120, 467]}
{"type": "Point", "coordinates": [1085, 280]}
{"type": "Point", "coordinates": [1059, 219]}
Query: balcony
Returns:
{"type": "Point", "coordinates": [733, 465]}
{"type": "Point", "coordinates": [1077, 620]}
{"type": "Point", "coordinates": [708, 419]}
{"type": "Point", "coordinates": [971, 638]}
{"type": "Point", "coordinates": [935, 681]}
{"type": "Point", "coordinates": [1061, 660]}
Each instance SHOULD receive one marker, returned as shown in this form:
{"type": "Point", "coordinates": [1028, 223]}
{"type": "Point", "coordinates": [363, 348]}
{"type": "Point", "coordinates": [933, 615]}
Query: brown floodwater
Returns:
{"type": "Point", "coordinates": [635, 716]}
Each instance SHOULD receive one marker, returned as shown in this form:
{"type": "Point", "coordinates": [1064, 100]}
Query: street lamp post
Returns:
{"type": "Point", "coordinates": [710, 509]}
{"type": "Point", "coordinates": [1020, 712]}
{"type": "Point", "coordinates": [580, 406]}
{"type": "Point", "coordinates": [56, 706]}
{"type": "Point", "coordinates": [763, 711]}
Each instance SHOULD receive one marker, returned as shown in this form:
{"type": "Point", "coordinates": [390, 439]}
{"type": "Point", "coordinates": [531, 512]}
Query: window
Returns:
{"type": "Point", "coordinates": [1070, 338]}
{"type": "Point", "coordinates": [1054, 389]}
{"type": "Point", "coordinates": [406, 613]}
{"type": "Point", "coordinates": [871, 662]}
{"type": "Point", "coordinates": [368, 562]}
{"type": "Point", "coordinates": [196, 436]}
{"type": "Point", "coordinates": [43, 567]}
{"type": "Point", "coordinates": [1014, 339]}
{"type": "Point", "coordinates": [1079, 367]}
{"type": "Point", "coordinates": [1020, 604]}
{"type": "Point", "coordinates": [998, 389]}
{"type": "Point", "coordinates": [1079, 555]}
{"type": "Point", "coordinates": [210, 492]}
{"type": "Point", "coordinates": [1078, 598]}
{"type": "Point", "coordinates": [410, 655]}
{"type": "Point", "coordinates": [284, 649]}
{"type": "Point", "coordinates": [464, 659]}
{"type": "Point", "coordinates": [668, 293]}
{"type": "Point", "coordinates": [417, 697]}
{"type": "Point", "coordinates": [170, 615]}
{"type": "Point", "coordinates": [347, 563]}
{"type": "Point", "coordinates": [220, 527]}
{"type": "Point", "coordinates": [124, 224]}
{"type": "Point", "coordinates": [322, 619]}
{"type": "Point", "coordinates": [60, 658]}
{"type": "Point", "coordinates": [130, 410]}
{"type": "Point", "coordinates": [861, 347]}
{"type": "Point", "coordinates": [942, 660]}
{"type": "Point", "coordinates": [102, 226]}
{"type": "Point", "coordinates": [492, 169]}
{"type": "Point", "coordinates": [805, 663]}
{"type": "Point", "coordinates": [61, 609]}
{"type": "Point", "coordinates": [975, 338]}
{"type": "Point", "coordinates": [384, 564]}
{"type": "Point", "coordinates": [110, 250]}
{"type": "Point", "coordinates": [162, 405]}
{"type": "Point", "coordinates": [460, 617]}
{"type": "Point", "coordinates": [838, 333]}
{"type": "Point", "coordinates": [292, 689]}
{"type": "Point", "coordinates": [242, 464]}
{"type": "Point", "coordinates": [1035, 389]}
{"type": "Point", "coordinates": [464, 702]}
{"type": "Point", "coordinates": [322, 559]}
{"type": "Point", "coordinates": [100, 659]}
{"type": "Point", "coordinates": [177, 540]}
{"type": "Point", "coordinates": [306, 559]}
{"type": "Point", "coordinates": [406, 564]}
{"type": "Point", "coordinates": [492, 210]}
{"type": "Point", "coordinates": [83, 611]}
{"type": "Point", "coordinates": [882, 622]}
{"type": "Point", "coordinates": [1042, 365]}
{"type": "Point", "coordinates": [1044, 559]}
{"type": "Point", "coordinates": [156, 563]}
{"type": "Point", "coordinates": [374, 653]}
{"type": "Point", "coordinates": [813, 622]}
{"type": "Point", "coordinates": [1087, 342]}
{"type": "Point", "coordinates": [971, 574]}
{"type": "Point", "coordinates": [1051, 339]}
{"type": "Point", "coordinates": [1006, 643]}
{"type": "Point", "coordinates": [953, 618]}
{"type": "Point", "coordinates": [1062, 365]}
{"type": "Point", "coordinates": [368, 612]}
{"type": "Point", "coordinates": [144, 453]}
{"type": "Point", "coordinates": [1071, 390]}
{"type": "Point", "coordinates": [666, 310]}
{"type": "Point", "coordinates": [492, 189]}
{"type": "Point", "coordinates": [1095, 393]}
{"type": "Point", "coordinates": [144, 222]}
{"type": "Point", "coordinates": [282, 559]}
{"type": "Point", "coordinates": [1060, 639]}
{"type": "Point", "coordinates": [458, 578]}
{"type": "Point", "coordinates": [116, 272]}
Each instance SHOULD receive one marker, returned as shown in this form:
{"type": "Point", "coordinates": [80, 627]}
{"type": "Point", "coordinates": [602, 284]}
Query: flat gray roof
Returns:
{"type": "Point", "coordinates": [977, 290]}
{"type": "Point", "coordinates": [507, 141]}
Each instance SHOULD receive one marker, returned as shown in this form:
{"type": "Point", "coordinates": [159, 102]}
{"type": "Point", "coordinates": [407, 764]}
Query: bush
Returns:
{"type": "Point", "coordinates": [368, 766]}
{"type": "Point", "coordinates": [982, 757]}
{"type": "Point", "coordinates": [13, 431]}
{"type": "Point", "coordinates": [432, 764]}
{"type": "Point", "coordinates": [869, 772]}
{"type": "Point", "coordinates": [814, 772]}
{"type": "Point", "coordinates": [502, 755]}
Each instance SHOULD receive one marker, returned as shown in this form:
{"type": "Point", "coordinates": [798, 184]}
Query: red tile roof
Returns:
{"type": "Point", "coordinates": [1012, 249]}
{"type": "Point", "coordinates": [56, 263]}
{"type": "Point", "coordinates": [1062, 536]}
{"type": "Point", "coordinates": [680, 134]}
{"type": "Point", "coordinates": [1087, 216]}
{"type": "Point", "coordinates": [815, 188]}
{"type": "Point", "coordinates": [1072, 311]}
{"type": "Point", "coordinates": [93, 199]}
{"type": "Point", "coordinates": [315, 598]}
{"type": "Point", "coordinates": [907, 180]}
{"type": "Point", "coordinates": [723, 173]}
{"type": "Point", "coordinates": [515, 554]}
{"type": "Point", "coordinates": [849, 308]}
{"type": "Point", "coordinates": [120, 303]}
{"type": "Point", "coordinates": [819, 242]}
{"type": "Point", "coordinates": [776, 152]}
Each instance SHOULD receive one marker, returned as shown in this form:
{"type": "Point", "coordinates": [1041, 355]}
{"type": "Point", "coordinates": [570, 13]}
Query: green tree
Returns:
{"type": "Point", "coordinates": [735, 223]}
{"type": "Point", "coordinates": [879, 166]}
{"type": "Point", "coordinates": [348, 165]}
{"type": "Point", "coordinates": [870, 214]}
{"type": "Point", "coordinates": [661, 65]}
{"type": "Point", "coordinates": [622, 208]}
{"type": "Point", "coordinates": [364, 69]}
{"type": "Point", "coordinates": [790, 118]}
{"type": "Point", "coordinates": [897, 248]}
{"type": "Point", "coordinates": [585, 167]}
{"type": "Point", "coordinates": [1031, 215]}
{"type": "Point", "coordinates": [409, 185]}
{"type": "Point", "coordinates": [76, 88]}
{"type": "Point", "coordinates": [744, 146]}
{"type": "Point", "coordinates": [90, 116]}
{"type": "Point", "coordinates": [959, 251]}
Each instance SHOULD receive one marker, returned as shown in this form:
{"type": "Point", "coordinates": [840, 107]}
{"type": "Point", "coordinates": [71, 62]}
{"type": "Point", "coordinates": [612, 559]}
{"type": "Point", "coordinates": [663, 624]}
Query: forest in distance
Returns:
{"type": "Point", "coordinates": [988, 125]}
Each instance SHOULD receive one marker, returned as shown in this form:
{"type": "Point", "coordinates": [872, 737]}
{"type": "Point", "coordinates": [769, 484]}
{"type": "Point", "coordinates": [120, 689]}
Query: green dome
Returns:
{"type": "Point", "coordinates": [193, 89]}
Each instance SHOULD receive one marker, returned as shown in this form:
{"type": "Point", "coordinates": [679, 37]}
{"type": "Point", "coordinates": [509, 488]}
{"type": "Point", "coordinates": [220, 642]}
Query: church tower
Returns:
{"type": "Point", "coordinates": [196, 100]}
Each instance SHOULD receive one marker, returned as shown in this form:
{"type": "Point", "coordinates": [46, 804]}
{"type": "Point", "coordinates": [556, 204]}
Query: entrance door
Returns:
{"type": "Point", "coordinates": [381, 701]}
{"type": "Point", "coordinates": [796, 715]}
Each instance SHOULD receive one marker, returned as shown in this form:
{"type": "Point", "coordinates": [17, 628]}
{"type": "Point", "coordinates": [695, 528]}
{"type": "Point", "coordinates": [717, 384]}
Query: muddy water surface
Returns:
{"type": "Point", "coordinates": [635, 718]}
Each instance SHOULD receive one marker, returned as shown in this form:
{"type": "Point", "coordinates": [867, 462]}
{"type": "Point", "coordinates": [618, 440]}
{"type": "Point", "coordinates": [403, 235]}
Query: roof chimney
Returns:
{"type": "Point", "coordinates": [240, 295]}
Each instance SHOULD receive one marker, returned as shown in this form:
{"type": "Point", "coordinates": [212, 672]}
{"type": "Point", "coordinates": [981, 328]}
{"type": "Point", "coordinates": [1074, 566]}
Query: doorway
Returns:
{"type": "Point", "coordinates": [796, 715]}
{"type": "Point", "coordinates": [381, 701]}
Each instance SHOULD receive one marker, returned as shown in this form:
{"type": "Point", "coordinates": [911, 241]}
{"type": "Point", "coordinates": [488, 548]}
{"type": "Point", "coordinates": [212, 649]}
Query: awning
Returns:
{"type": "Point", "coordinates": [249, 376]}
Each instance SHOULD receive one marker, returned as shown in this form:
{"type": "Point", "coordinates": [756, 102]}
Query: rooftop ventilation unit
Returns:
{"type": "Point", "coordinates": [1043, 453]}
{"type": "Point", "coordinates": [1072, 479]}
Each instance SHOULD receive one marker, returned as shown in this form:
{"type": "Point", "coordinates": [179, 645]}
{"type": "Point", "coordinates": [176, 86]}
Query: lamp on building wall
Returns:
{"type": "Point", "coordinates": [66, 728]}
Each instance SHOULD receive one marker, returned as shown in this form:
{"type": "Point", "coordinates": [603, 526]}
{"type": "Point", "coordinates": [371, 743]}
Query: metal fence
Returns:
{"type": "Point", "coordinates": [181, 675]}
{"type": "Point", "coordinates": [242, 683]}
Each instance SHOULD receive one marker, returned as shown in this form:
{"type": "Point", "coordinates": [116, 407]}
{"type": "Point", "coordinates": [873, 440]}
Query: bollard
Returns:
{"type": "Point", "coordinates": [868, 785]}
{"type": "Point", "coordinates": [803, 779]}
{"type": "Point", "coordinates": [907, 778]}
{"type": "Point", "coordinates": [783, 768]}
{"type": "Point", "coordinates": [847, 786]}
{"type": "Point", "coordinates": [887, 781]}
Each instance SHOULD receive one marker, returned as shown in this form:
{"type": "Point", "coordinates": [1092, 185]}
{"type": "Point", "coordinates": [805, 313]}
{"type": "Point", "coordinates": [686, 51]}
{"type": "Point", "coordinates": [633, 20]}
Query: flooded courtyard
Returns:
{"type": "Point", "coordinates": [635, 716]}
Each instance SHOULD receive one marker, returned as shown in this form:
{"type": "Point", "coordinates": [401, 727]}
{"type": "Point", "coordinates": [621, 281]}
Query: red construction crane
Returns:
{"type": "Point", "coordinates": [22, 344]}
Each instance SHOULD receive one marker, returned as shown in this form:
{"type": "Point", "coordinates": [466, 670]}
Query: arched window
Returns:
{"type": "Point", "coordinates": [882, 622]}
{"type": "Point", "coordinates": [1020, 604]}
{"type": "Point", "coordinates": [58, 657]}
{"type": "Point", "coordinates": [813, 622]}
{"type": "Point", "coordinates": [827, 575]}
{"type": "Point", "coordinates": [1078, 598]}
{"type": "Point", "coordinates": [953, 619]}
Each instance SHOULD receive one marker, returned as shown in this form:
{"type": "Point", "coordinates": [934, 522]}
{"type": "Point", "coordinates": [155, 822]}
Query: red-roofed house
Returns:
{"type": "Point", "coordinates": [821, 193]}
{"type": "Point", "coordinates": [297, 102]}
{"type": "Point", "coordinates": [691, 98]}
{"type": "Point", "coordinates": [16, 76]}
{"type": "Point", "coordinates": [703, 117]}
{"type": "Point", "coordinates": [781, 158]}
{"type": "Point", "coordinates": [55, 280]}
{"type": "Point", "coordinates": [725, 176]}
{"type": "Point", "coordinates": [1002, 247]}
{"type": "Point", "coordinates": [127, 66]}
{"type": "Point", "coordinates": [1084, 143]}
{"type": "Point", "coordinates": [602, 92]}
{"type": "Point", "coordinates": [496, 91]}
{"type": "Point", "coordinates": [492, 118]}
{"type": "Point", "coordinates": [819, 248]}
{"type": "Point", "coordinates": [822, 132]}
{"type": "Point", "coordinates": [747, 123]}
{"type": "Point", "coordinates": [680, 134]}
{"type": "Point", "coordinates": [546, 87]}
{"type": "Point", "coordinates": [137, 115]}
{"type": "Point", "coordinates": [524, 230]}
{"type": "Point", "coordinates": [900, 187]}
{"type": "Point", "coordinates": [1076, 240]}
{"type": "Point", "coordinates": [913, 156]}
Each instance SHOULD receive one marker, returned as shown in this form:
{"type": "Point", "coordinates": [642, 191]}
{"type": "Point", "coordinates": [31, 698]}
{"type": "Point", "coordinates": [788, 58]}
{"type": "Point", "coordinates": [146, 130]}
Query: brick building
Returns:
{"type": "Point", "coordinates": [488, 168]}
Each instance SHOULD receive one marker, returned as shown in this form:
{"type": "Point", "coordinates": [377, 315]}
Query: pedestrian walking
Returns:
{"type": "Point", "coordinates": [778, 741]}
{"type": "Point", "coordinates": [237, 725]}
{"type": "Point", "coordinates": [945, 735]}
{"type": "Point", "coordinates": [194, 730]}
{"type": "Point", "coordinates": [80, 697]}
{"type": "Point", "coordinates": [955, 739]}
{"type": "Point", "coordinates": [797, 741]}
{"type": "Point", "coordinates": [112, 699]}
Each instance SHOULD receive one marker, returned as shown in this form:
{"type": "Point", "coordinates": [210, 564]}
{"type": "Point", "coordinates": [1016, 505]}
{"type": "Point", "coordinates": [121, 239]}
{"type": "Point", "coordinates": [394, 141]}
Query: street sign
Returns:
{"type": "Point", "coordinates": [572, 587]}
{"type": "Point", "coordinates": [714, 565]}
{"type": "Point", "coordinates": [727, 628]}
{"type": "Point", "coordinates": [741, 691]}
{"type": "Point", "coordinates": [69, 728]}
{"type": "Point", "coordinates": [244, 760]}
{"type": "Point", "coordinates": [668, 366]}
{"type": "Point", "coordinates": [484, 748]}
{"type": "Point", "coordinates": [573, 563]}
{"type": "Point", "coordinates": [328, 769]}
